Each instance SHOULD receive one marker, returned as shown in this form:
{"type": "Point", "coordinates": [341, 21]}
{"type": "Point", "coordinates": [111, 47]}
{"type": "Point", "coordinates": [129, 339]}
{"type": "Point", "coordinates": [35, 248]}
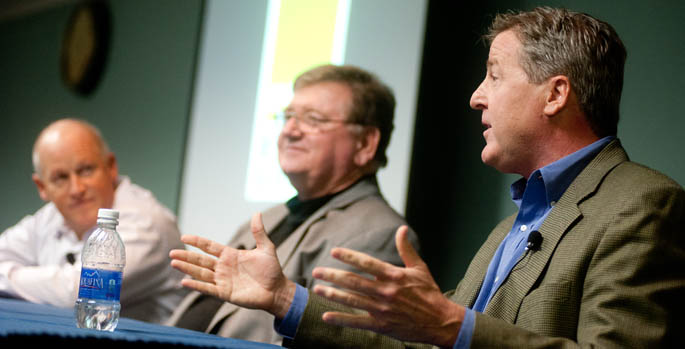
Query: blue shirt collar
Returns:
{"type": "Point", "coordinates": [558, 175]}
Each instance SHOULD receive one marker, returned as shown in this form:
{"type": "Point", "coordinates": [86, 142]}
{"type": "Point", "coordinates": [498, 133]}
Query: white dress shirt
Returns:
{"type": "Point", "coordinates": [35, 256]}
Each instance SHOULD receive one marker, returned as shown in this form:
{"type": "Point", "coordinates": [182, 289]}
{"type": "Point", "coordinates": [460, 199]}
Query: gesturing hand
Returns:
{"type": "Point", "coordinates": [247, 278]}
{"type": "Point", "coordinates": [404, 303]}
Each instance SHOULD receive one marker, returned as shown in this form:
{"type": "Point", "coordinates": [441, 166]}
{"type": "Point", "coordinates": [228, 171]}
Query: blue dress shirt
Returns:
{"type": "Point", "coordinates": [535, 198]}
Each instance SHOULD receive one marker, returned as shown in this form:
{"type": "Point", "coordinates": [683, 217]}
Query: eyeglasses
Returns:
{"type": "Point", "coordinates": [309, 121]}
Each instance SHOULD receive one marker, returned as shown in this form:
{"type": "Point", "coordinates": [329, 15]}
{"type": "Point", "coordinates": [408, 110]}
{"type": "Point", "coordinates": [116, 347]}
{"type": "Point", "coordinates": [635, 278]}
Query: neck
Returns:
{"type": "Point", "coordinates": [559, 146]}
{"type": "Point", "coordinates": [80, 233]}
{"type": "Point", "coordinates": [566, 132]}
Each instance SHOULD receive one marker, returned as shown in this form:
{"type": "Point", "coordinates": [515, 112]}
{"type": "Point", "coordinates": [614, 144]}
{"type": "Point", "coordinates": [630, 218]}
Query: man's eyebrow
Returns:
{"type": "Point", "coordinates": [304, 109]}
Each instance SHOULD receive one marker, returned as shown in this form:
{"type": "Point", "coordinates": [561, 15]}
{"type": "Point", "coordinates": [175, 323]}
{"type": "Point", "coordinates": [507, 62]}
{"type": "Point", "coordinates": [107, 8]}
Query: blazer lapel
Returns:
{"type": "Point", "coordinates": [289, 247]}
{"type": "Point", "coordinates": [469, 287]}
{"type": "Point", "coordinates": [270, 218]}
{"type": "Point", "coordinates": [530, 267]}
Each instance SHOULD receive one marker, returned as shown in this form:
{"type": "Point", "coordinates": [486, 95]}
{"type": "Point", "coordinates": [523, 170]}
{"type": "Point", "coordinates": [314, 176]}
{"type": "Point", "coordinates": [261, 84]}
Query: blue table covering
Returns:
{"type": "Point", "coordinates": [20, 319]}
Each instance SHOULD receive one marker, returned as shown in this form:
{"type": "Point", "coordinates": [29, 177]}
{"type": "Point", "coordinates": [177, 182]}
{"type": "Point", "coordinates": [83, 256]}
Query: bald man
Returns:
{"type": "Point", "coordinates": [76, 174]}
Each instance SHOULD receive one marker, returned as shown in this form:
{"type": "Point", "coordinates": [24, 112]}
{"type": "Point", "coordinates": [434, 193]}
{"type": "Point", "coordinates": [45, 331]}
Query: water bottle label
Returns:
{"type": "Point", "coordinates": [100, 284]}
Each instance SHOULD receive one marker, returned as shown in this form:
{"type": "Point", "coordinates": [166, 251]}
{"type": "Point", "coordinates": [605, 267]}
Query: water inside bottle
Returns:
{"type": "Point", "coordinates": [98, 315]}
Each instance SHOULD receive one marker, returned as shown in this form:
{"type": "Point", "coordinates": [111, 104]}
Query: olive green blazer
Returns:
{"type": "Point", "coordinates": [610, 271]}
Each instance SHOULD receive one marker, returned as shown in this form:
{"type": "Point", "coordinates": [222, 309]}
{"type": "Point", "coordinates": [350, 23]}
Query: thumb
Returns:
{"type": "Point", "coordinates": [407, 252]}
{"type": "Point", "coordinates": [258, 232]}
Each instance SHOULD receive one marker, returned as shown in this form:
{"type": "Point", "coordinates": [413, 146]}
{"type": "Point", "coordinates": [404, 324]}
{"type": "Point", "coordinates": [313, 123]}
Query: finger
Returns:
{"type": "Point", "coordinates": [361, 321]}
{"type": "Point", "coordinates": [209, 246]}
{"type": "Point", "coordinates": [194, 271]}
{"type": "Point", "coordinates": [200, 286]}
{"type": "Point", "coordinates": [350, 299]}
{"type": "Point", "coordinates": [195, 258]}
{"type": "Point", "coordinates": [354, 282]}
{"type": "Point", "coordinates": [259, 233]}
{"type": "Point", "coordinates": [407, 252]}
{"type": "Point", "coordinates": [363, 262]}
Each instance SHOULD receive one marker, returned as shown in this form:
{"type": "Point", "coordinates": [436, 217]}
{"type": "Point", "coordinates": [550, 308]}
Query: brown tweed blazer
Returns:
{"type": "Point", "coordinates": [610, 271]}
{"type": "Point", "coordinates": [359, 218]}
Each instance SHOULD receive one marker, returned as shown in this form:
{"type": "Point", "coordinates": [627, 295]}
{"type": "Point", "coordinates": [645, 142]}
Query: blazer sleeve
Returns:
{"type": "Point", "coordinates": [314, 333]}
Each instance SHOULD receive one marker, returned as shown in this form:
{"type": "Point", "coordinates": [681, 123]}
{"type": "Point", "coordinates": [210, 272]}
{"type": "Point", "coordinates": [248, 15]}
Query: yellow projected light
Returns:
{"type": "Point", "coordinates": [299, 35]}
{"type": "Point", "coordinates": [306, 30]}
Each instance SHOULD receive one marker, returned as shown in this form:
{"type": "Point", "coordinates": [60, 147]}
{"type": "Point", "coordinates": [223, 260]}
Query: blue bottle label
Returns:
{"type": "Point", "coordinates": [100, 284]}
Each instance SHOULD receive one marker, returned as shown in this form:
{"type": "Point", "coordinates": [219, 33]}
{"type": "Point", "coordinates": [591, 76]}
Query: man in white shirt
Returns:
{"type": "Point", "coordinates": [76, 173]}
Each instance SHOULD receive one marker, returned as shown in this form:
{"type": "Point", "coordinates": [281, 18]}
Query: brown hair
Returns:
{"type": "Point", "coordinates": [373, 102]}
{"type": "Point", "coordinates": [584, 49]}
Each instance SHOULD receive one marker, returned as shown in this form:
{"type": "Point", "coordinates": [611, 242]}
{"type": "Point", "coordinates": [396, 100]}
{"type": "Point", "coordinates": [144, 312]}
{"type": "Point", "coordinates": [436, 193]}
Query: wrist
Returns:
{"type": "Point", "coordinates": [451, 325]}
{"type": "Point", "coordinates": [283, 299]}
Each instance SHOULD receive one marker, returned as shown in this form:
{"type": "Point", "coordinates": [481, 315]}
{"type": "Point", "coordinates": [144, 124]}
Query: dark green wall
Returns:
{"type": "Point", "coordinates": [141, 104]}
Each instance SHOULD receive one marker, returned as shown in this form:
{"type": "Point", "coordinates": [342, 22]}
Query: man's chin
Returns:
{"type": "Point", "coordinates": [293, 168]}
{"type": "Point", "coordinates": [82, 225]}
{"type": "Point", "coordinates": [84, 219]}
{"type": "Point", "coordinates": [487, 157]}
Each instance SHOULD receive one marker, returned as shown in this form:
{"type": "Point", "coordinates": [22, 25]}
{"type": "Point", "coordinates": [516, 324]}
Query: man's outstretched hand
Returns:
{"type": "Point", "coordinates": [401, 302]}
{"type": "Point", "coordinates": [247, 278]}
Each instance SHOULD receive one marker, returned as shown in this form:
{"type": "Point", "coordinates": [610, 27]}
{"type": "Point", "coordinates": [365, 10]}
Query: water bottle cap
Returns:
{"type": "Point", "coordinates": [108, 214]}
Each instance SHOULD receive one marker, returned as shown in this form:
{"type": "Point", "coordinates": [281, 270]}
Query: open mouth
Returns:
{"type": "Point", "coordinates": [486, 126]}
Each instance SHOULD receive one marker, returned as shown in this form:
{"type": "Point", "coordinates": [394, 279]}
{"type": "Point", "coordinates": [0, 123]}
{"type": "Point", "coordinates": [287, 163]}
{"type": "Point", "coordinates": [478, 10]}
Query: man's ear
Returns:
{"type": "Point", "coordinates": [112, 166]}
{"type": "Point", "coordinates": [557, 95]}
{"type": "Point", "coordinates": [367, 145]}
{"type": "Point", "coordinates": [40, 186]}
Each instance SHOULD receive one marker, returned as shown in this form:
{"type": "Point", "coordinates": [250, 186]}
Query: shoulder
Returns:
{"type": "Point", "coordinates": [633, 203]}
{"type": "Point", "coordinates": [44, 221]}
{"type": "Point", "coordinates": [367, 224]}
{"type": "Point", "coordinates": [34, 235]}
{"type": "Point", "coordinates": [633, 182]}
{"type": "Point", "coordinates": [632, 173]}
{"type": "Point", "coordinates": [139, 207]}
{"type": "Point", "coordinates": [612, 171]}
{"type": "Point", "coordinates": [366, 213]}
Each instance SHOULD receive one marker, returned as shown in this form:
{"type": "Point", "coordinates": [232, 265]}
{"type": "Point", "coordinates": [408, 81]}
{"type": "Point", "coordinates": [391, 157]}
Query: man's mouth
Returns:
{"type": "Point", "coordinates": [486, 127]}
{"type": "Point", "coordinates": [80, 202]}
{"type": "Point", "coordinates": [293, 148]}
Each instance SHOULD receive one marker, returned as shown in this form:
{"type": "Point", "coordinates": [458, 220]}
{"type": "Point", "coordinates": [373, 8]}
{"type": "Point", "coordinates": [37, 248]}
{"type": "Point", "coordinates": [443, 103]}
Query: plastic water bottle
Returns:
{"type": "Point", "coordinates": [102, 264]}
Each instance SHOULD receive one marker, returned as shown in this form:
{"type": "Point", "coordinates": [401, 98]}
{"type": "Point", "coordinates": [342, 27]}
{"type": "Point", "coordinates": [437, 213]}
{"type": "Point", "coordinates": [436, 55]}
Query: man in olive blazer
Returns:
{"type": "Point", "coordinates": [358, 218]}
{"type": "Point", "coordinates": [609, 270]}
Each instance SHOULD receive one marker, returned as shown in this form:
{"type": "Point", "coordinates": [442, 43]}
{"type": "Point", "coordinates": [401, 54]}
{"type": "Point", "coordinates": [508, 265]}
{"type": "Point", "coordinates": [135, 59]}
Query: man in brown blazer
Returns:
{"type": "Point", "coordinates": [594, 257]}
{"type": "Point", "coordinates": [336, 130]}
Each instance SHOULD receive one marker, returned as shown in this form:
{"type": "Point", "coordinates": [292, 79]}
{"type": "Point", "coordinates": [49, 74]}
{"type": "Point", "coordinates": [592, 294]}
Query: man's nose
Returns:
{"type": "Point", "coordinates": [291, 128]}
{"type": "Point", "coordinates": [478, 100]}
{"type": "Point", "coordinates": [76, 185]}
